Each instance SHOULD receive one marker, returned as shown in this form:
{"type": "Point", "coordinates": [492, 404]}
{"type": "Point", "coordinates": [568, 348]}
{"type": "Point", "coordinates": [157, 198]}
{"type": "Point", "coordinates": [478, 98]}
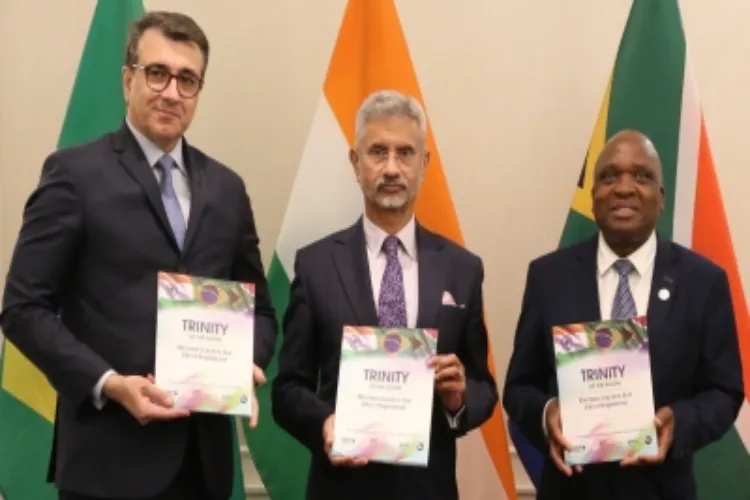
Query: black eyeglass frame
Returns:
{"type": "Point", "coordinates": [170, 76]}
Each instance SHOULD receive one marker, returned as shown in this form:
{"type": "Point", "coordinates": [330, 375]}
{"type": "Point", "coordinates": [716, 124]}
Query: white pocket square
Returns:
{"type": "Point", "coordinates": [448, 300]}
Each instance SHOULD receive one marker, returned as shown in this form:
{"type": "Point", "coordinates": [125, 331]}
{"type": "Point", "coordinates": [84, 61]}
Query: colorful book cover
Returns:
{"type": "Point", "coordinates": [204, 343]}
{"type": "Point", "coordinates": [385, 394]}
{"type": "Point", "coordinates": [605, 389]}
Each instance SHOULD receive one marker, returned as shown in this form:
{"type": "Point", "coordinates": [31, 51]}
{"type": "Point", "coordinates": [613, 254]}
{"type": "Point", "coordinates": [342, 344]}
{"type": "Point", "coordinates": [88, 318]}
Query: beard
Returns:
{"type": "Point", "coordinates": [389, 201]}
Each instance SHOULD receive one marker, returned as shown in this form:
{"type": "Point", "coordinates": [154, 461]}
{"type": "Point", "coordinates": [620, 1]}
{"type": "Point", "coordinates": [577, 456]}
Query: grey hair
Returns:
{"type": "Point", "coordinates": [386, 104]}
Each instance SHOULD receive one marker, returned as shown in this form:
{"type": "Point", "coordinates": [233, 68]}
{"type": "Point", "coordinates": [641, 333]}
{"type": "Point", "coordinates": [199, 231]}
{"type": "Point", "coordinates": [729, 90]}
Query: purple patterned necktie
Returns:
{"type": "Point", "coordinates": [392, 303]}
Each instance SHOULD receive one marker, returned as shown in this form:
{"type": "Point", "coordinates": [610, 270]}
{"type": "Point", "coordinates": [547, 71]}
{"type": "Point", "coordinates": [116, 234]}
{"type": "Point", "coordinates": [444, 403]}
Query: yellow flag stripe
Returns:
{"type": "Point", "coordinates": [582, 202]}
{"type": "Point", "coordinates": [26, 383]}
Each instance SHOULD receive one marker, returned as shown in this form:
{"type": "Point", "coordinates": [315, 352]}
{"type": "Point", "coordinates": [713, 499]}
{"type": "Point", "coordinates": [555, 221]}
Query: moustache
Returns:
{"type": "Point", "coordinates": [391, 182]}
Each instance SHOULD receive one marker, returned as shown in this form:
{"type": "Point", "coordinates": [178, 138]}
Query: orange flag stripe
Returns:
{"type": "Point", "coordinates": [711, 238]}
{"type": "Point", "coordinates": [371, 54]}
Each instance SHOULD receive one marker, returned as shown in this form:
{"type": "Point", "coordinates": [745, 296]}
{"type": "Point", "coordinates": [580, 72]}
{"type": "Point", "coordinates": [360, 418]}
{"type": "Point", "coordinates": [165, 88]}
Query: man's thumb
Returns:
{"type": "Point", "coordinates": [259, 376]}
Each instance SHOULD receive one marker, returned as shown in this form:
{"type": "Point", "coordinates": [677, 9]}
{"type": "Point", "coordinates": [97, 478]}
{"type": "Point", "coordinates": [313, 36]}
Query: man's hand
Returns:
{"type": "Point", "coordinates": [664, 421]}
{"type": "Point", "coordinates": [557, 442]}
{"type": "Point", "coordinates": [260, 379]}
{"type": "Point", "coordinates": [450, 380]}
{"type": "Point", "coordinates": [338, 460]}
{"type": "Point", "coordinates": [143, 400]}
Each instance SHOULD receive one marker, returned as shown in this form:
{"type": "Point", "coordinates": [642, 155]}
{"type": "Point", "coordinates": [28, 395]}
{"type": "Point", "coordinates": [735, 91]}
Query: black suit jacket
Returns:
{"type": "Point", "coordinates": [695, 365]}
{"type": "Point", "coordinates": [331, 288]}
{"type": "Point", "coordinates": [93, 237]}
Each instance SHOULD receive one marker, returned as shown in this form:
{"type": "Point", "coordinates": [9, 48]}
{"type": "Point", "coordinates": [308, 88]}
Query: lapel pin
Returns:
{"type": "Point", "coordinates": [664, 294]}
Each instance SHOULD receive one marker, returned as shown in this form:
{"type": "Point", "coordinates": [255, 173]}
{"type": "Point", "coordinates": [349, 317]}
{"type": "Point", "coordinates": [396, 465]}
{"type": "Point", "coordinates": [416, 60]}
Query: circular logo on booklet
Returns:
{"type": "Point", "coordinates": [603, 338]}
{"type": "Point", "coordinates": [209, 294]}
{"type": "Point", "coordinates": [392, 343]}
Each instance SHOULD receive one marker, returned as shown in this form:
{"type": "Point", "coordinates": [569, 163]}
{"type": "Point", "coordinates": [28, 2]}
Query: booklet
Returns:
{"type": "Point", "coordinates": [204, 343]}
{"type": "Point", "coordinates": [385, 394]}
{"type": "Point", "coordinates": [605, 390]}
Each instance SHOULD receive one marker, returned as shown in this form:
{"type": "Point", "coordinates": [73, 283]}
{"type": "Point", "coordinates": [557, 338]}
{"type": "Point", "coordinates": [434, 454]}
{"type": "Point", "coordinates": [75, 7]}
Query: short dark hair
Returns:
{"type": "Point", "coordinates": [173, 25]}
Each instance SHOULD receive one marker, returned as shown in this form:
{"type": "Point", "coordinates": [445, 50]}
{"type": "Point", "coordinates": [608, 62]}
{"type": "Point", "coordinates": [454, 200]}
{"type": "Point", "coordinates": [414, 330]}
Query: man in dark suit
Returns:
{"type": "Point", "coordinates": [80, 298]}
{"type": "Point", "coordinates": [384, 270]}
{"type": "Point", "coordinates": [695, 362]}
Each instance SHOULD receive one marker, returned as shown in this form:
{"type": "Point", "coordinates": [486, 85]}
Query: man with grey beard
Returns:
{"type": "Point", "coordinates": [386, 270]}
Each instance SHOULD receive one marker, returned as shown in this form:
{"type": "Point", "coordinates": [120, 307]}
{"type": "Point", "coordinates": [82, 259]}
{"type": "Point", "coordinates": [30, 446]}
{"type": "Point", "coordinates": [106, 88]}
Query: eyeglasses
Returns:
{"type": "Point", "coordinates": [404, 155]}
{"type": "Point", "coordinates": [158, 78]}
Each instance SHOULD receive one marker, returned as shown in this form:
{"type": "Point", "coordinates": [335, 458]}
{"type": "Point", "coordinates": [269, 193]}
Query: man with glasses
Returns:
{"type": "Point", "coordinates": [80, 297]}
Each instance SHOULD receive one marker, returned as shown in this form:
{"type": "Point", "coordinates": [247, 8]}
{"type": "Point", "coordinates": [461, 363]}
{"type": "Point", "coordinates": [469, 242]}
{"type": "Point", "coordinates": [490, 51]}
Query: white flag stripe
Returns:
{"type": "Point", "coordinates": [687, 161]}
{"type": "Point", "coordinates": [325, 195]}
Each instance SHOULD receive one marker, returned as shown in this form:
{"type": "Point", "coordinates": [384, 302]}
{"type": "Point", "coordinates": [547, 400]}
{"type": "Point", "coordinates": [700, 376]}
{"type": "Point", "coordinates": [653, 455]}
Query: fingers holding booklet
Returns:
{"type": "Point", "coordinates": [338, 459]}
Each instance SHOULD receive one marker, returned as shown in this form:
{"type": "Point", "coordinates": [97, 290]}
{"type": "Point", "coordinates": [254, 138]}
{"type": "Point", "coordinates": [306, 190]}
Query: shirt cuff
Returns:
{"type": "Point", "coordinates": [99, 399]}
{"type": "Point", "coordinates": [454, 419]}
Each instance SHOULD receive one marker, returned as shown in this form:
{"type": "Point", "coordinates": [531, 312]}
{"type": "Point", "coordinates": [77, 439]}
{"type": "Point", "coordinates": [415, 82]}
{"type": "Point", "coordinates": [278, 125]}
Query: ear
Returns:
{"type": "Point", "coordinates": [426, 158]}
{"type": "Point", "coordinates": [353, 158]}
{"type": "Point", "coordinates": [663, 197]}
{"type": "Point", "coordinates": [127, 81]}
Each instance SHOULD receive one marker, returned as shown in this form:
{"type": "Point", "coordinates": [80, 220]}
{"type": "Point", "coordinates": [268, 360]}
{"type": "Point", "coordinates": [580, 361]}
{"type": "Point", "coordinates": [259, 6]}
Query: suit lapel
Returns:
{"type": "Point", "coordinates": [133, 160]}
{"type": "Point", "coordinates": [350, 259]}
{"type": "Point", "coordinates": [195, 165]}
{"type": "Point", "coordinates": [663, 285]}
{"type": "Point", "coordinates": [432, 276]}
{"type": "Point", "coordinates": [586, 293]}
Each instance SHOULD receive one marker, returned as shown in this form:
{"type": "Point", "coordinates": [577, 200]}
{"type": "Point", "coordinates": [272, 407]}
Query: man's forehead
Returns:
{"type": "Point", "coordinates": [624, 152]}
{"type": "Point", "coordinates": [383, 132]}
{"type": "Point", "coordinates": [178, 55]}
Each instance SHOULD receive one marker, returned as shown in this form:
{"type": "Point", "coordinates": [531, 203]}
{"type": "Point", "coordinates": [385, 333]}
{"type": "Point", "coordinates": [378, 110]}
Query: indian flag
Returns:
{"type": "Point", "coordinates": [652, 90]}
{"type": "Point", "coordinates": [27, 401]}
{"type": "Point", "coordinates": [370, 53]}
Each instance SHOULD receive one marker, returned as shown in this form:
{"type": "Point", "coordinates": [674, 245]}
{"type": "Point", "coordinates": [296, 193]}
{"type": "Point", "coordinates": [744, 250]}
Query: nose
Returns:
{"type": "Point", "coordinates": [171, 91]}
{"type": "Point", "coordinates": [391, 166]}
{"type": "Point", "coordinates": [625, 185]}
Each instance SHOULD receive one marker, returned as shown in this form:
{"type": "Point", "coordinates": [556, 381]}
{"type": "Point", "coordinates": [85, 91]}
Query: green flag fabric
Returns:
{"type": "Point", "coordinates": [27, 402]}
{"type": "Point", "coordinates": [651, 90]}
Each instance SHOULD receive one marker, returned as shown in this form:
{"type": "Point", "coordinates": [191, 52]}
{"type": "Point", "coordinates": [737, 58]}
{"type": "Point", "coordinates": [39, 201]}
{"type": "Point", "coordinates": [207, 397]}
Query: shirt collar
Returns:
{"type": "Point", "coordinates": [152, 151]}
{"type": "Point", "coordinates": [641, 259]}
{"type": "Point", "coordinates": [374, 237]}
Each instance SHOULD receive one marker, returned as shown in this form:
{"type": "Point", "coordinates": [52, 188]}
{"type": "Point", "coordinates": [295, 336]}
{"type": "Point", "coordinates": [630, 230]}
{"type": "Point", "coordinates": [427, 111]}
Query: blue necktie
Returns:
{"type": "Point", "coordinates": [392, 302]}
{"type": "Point", "coordinates": [171, 203]}
{"type": "Point", "coordinates": [623, 307]}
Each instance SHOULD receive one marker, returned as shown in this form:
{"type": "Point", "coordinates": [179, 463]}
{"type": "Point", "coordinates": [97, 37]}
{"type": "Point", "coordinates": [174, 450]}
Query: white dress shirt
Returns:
{"type": "Point", "coordinates": [182, 188]}
{"type": "Point", "coordinates": [408, 258]}
{"type": "Point", "coordinates": [607, 278]}
{"type": "Point", "coordinates": [640, 280]}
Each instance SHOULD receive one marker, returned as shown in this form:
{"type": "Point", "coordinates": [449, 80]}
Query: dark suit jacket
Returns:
{"type": "Point", "coordinates": [93, 237]}
{"type": "Point", "coordinates": [331, 288]}
{"type": "Point", "coordinates": [695, 365]}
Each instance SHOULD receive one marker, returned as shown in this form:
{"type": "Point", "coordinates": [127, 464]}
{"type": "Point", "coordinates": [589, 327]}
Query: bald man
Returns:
{"type": "Point", "coordinates": [695, 361]}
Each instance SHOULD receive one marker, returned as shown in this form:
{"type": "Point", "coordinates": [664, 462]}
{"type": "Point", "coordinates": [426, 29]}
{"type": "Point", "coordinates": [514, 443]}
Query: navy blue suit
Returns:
{"type": "Point", "coordinates": [695, 364]}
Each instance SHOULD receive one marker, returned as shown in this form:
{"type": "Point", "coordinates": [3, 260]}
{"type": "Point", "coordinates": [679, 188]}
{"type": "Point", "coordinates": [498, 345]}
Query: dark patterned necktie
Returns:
{"type": "Point", "coordinates": [623, 306]}
{"type": "Point", "coordinates": [392, 302]}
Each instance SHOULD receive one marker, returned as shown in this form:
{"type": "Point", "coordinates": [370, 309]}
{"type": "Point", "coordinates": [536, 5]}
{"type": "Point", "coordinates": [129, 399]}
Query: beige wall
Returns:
{"type": "Point", "coordinates": [512, 88]}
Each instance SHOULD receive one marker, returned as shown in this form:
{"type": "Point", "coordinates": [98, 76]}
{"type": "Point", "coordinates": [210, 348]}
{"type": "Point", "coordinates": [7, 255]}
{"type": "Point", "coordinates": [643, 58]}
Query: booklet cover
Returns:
{"type": "Point", "coordinates": [385, 394]}
{"type": "Point", "coordinates": [605, 389]}
{"type": "Point", "coordinates": [204, 343]}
